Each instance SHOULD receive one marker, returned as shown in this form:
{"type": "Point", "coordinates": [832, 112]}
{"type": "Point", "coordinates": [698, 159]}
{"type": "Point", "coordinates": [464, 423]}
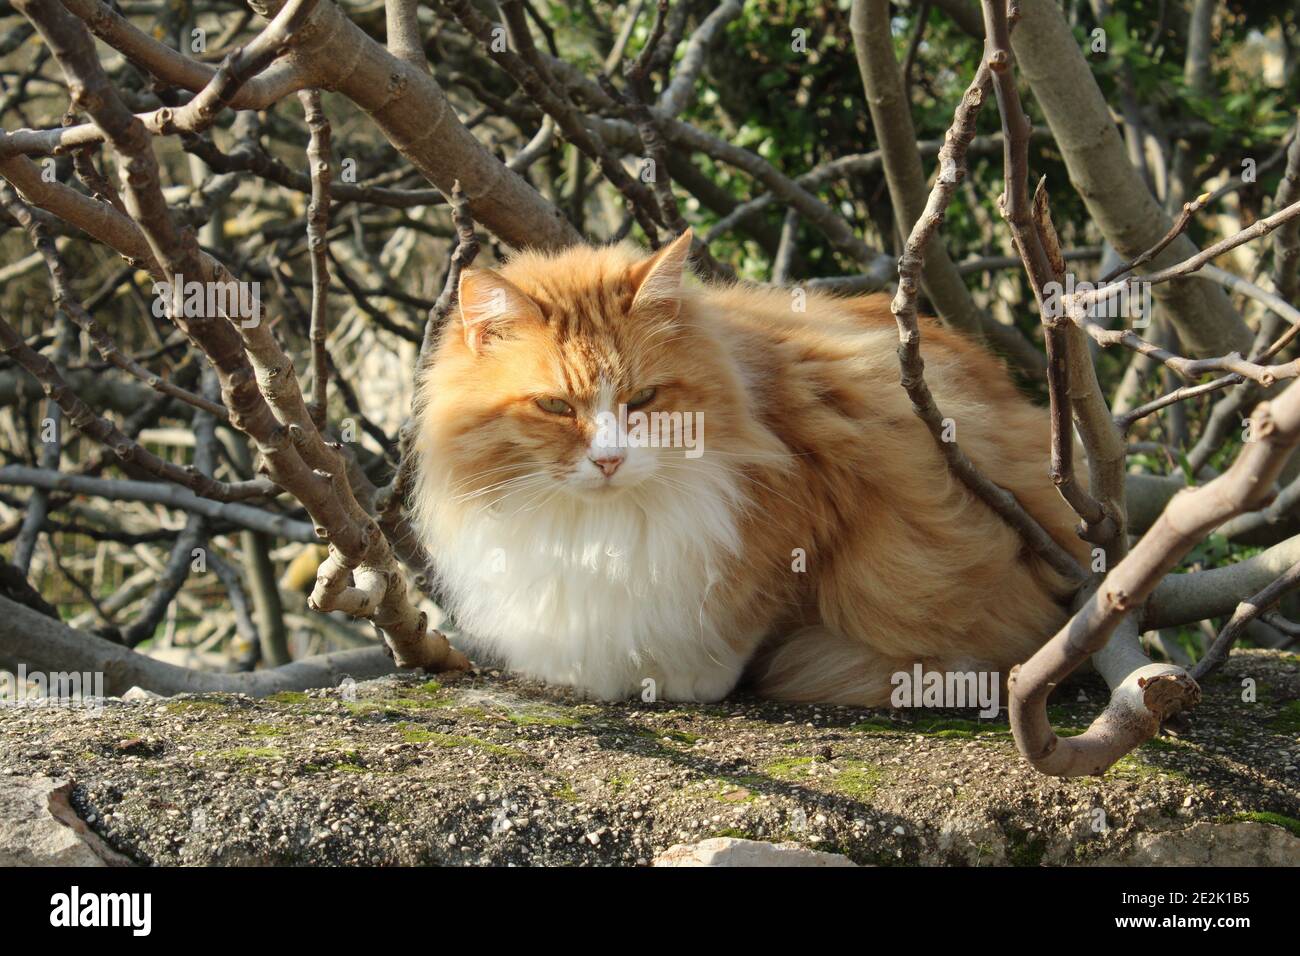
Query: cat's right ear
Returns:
{"type": "Point", "coordinates": [658, 280]}
{"type": "Point", "coordinates": [489, 303]}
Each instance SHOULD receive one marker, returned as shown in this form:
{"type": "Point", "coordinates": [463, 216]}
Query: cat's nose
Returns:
{"type": "Point", "coordinates": [608, 463]}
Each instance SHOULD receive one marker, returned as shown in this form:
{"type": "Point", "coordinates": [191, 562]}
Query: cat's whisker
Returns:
{"type": "Point", "coordinates": [673, 485]}
{"type": "Point", "coordinates": [545, 499]}
{"type": "Point", "coordinates": [479, 493]}
{"type": "Point", "coordinates": [469, 479]}
{"type": "Point", "coordinates": [514, 493]}
{"type": "Point", "coordinates": [470, 496]}
{"type": "Point", "coordinates": [758, 455]}
{"type": "Point", "coordinates": [766, 487]}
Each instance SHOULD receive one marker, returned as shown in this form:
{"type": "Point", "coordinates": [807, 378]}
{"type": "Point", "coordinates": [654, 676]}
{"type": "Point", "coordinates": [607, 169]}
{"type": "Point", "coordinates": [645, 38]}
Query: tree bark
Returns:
{"type": "Point", "coordinates": [1118, 201]}
{"type": "Point", "coordinates": [29, 638]}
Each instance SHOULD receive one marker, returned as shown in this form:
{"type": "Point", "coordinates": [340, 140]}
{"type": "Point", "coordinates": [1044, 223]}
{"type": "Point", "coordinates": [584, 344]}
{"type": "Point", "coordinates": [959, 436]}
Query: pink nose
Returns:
{"type": "Point", "coordinates": [608, 464]}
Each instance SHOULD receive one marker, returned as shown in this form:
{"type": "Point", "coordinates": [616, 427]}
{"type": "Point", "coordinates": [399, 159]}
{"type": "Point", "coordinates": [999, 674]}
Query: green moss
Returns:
{"type": "Point", "coordinates": [734, 833]}
{"type": "Point", "coordinates": [1134, 767]}
{"type": "Point", "coordinates": [1288, 721]}
{"type": "Point", "coordinates": [289, 697]}
{"type": "Point", "coordinates": [418, 735]}
{"type": "Point", "coordinates": [879, 725]}
{"type": "Point", "coordinates": [737, 790]}
{"type": "Point", "coordinates": [951, 726]}
{"type": "Point", "coordinates": [852, 778]}
{"type": "Point", "coordinates": [1065, 719]}
{"type": "Point", "coordinates": [266, 730]}
{"type": "Point", "coordinates": [788, 767]}
{"type": "Point", "coordinates": [427, 696]}
{"type": "Point", "coordinates": [661, 733]}
{"type": "Point", "coordinates": [565, 792]}
{"type": "Point", "coordinates": [1276, 819]}
{"type": "Point", "coordinates": [182, 706]}
{"type": "Point", "coordinates": [542, 719]}
{"type": "Point", "coordinates": [395, 705]}
{"type": "Point", "coordinates": [408, 704]}
{"type": "Point", "coordinates": [359, 708]}
{"type": "Point", "coordinates": [388, 813]}
{"type": "Point", "coordinates": [1025, 849]}
{"type": "Point", "coordinates": [942, 727]}
{"type": "Point", "coordinates": [347, 760]}
{"type": "Point", "coordinates": [959, 728]}
{"type": "Point", "coordinates": [1130, 766]}
{"type": "Point", "coordinates": [251, 753]}
{"type": "Point", "coordinates": [857, 778]}
{"type": "Point", "coordinates": [1069, 731]}
{"type": "Point", "coordinates": [432, 695]}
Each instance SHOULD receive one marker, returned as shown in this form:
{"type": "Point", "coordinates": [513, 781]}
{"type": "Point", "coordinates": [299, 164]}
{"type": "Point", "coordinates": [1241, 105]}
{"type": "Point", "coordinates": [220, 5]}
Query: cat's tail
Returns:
{"type": "Point", "coordinates": [818, 665]}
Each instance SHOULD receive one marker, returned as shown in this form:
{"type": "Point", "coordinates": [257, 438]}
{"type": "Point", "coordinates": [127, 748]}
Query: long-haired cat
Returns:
{"type": "Point", "coordinates": [800, 523]}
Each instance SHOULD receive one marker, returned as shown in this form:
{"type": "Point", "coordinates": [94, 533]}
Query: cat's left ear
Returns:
{"type": "Point", "coordinates": [658, 280]}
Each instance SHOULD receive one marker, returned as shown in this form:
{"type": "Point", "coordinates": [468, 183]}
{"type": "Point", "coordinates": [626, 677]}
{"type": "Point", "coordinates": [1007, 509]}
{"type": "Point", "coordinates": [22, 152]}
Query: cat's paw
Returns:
{"type": "Point", "coordinates": [707, 687]}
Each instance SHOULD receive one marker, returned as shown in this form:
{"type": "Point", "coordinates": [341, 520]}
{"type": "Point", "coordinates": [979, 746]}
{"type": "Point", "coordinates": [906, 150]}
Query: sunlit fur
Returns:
{"type": "Point", "coordinates": [819, 542]}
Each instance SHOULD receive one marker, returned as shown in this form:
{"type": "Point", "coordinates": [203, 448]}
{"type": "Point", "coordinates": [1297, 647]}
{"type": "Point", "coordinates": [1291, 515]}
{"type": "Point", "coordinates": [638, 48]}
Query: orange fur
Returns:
{"type": "Point", "coordinates": [804, 414]}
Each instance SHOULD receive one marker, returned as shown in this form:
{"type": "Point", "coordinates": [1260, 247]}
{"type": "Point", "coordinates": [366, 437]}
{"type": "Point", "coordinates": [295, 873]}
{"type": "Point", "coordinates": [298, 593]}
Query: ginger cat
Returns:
{"type": "Point", "coordinates": [805, 528]}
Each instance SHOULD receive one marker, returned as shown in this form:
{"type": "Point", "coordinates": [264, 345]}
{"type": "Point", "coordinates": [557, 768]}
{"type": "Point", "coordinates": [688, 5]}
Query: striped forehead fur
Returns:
{"type": "Point", "coordinates": [579, 291]}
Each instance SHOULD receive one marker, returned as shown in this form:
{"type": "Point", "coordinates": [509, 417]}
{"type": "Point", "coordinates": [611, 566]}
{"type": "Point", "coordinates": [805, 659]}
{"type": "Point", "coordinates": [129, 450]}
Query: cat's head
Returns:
{"type": "Point", "coordinates": [579, 373]}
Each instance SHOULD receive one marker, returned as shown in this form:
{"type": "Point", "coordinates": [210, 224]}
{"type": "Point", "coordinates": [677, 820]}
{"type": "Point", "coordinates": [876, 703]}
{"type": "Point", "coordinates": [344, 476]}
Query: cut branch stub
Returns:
{"type": "Point", "coordinates": [1152, 693]}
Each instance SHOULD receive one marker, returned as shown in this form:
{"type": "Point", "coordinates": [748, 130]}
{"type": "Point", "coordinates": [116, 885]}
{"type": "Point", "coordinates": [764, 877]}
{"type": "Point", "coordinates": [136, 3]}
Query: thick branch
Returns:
{"type": "Point", "coordinates": [28, 637]}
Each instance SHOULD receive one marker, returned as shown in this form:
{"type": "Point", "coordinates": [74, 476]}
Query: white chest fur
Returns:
{"type": "Point", "coordinates": [603, 595]}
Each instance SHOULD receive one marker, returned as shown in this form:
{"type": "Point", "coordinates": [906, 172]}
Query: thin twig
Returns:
{"type": "Point", "coordinates": [904, 308]}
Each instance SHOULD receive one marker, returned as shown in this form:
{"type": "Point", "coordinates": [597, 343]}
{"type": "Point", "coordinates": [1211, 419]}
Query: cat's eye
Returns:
{"type": "Point", "coordinates": [643, 397]}
{"type": "Point", "coordinates": [556, 406]}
